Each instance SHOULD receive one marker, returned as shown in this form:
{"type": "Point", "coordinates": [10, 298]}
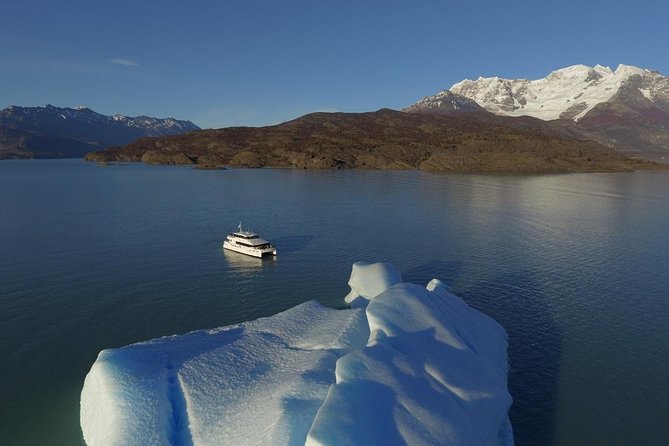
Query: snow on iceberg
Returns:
{"type": "Point", "coordinates": [259, 382]}
{"type": "Point", "coordinates": [416, 366]}
{"type": "Point", "coordinates": [369, 280]}
{"type": "Point", "coordinates": [433, 372]}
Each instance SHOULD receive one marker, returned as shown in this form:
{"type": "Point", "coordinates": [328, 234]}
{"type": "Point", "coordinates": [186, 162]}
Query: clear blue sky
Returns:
{"type": "Point", "coordinates": [247, 62]}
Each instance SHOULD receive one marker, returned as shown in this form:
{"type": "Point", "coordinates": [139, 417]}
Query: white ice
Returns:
{"type": "Point", "coordinates": [434, 372]}
{"type": "Point", "coordinates": [369, 280]}
{"type": "Point", "coordinates": [416, 366]}
{"type": "Point", "coordinates": [259, 382]}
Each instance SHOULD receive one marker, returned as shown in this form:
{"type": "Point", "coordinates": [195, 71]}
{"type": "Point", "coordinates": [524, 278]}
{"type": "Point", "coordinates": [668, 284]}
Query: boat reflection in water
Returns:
{"type": "Point", "coordinates": [246, 264]}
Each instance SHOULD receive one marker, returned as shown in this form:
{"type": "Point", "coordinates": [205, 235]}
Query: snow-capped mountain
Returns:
{"type": "Point", "coordinates": [63, 131]}
{"type": "Point", "coordinates": [568, 93]}
{"type": "Point", "coordinates": [156, 126]}
{"type": "Point", "coordinates": [445, 102]}
{"type": "Point", "coordinates": [60, 118]}
{"type": "Point", "coordinates": [626, 108]}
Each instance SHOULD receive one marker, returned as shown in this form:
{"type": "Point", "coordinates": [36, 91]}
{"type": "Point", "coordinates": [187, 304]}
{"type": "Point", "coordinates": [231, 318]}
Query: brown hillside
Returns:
{"type": "Point", "coordinates": [385, 139]}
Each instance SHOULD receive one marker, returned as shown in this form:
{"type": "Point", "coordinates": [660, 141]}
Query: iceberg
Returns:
{"type": "Point", "coordinates": [407, 365]}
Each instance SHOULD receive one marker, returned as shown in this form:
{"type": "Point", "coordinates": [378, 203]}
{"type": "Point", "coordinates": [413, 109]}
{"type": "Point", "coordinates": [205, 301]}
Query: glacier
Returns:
{"type": "Point", "coordinates": [405, 364]}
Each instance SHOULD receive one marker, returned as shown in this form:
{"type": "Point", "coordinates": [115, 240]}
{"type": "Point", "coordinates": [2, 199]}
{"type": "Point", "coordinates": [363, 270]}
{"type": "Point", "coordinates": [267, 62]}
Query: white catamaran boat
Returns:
{"type": "Point", "coordinates": [248, 243]}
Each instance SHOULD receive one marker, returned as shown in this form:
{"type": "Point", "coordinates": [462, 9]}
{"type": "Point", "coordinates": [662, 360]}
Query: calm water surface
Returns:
{"type": "Point", "coordinates": [576, 268]}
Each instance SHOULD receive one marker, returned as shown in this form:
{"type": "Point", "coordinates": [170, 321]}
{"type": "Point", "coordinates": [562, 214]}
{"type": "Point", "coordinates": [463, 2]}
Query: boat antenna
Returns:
{"type": "Point", "coordinates": [240, 226]}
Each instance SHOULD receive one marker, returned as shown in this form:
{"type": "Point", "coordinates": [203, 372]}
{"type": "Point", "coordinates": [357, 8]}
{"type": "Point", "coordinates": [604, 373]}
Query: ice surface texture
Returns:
{"type": "Point", "coordinates": [416, 366]}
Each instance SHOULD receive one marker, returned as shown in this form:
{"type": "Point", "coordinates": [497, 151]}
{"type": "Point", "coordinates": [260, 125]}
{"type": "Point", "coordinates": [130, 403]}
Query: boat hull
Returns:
{"type": "Point", "coordinates": [253, 252]}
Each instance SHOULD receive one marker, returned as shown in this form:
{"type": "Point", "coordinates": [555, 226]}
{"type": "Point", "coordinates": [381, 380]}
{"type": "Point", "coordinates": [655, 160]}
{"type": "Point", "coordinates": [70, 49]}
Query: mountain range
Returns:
{"type": "Point", "coordinates": [57, 132]}
{"type": "Point", "coordinates": [626, 108]}
{"type": "Point", "coordinates": [578, 118]}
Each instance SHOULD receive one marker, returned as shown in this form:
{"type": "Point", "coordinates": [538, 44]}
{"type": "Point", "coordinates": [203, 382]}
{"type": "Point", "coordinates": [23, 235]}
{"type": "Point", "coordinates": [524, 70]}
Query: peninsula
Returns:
{"type": "Point", "coordinates": [385, 139]}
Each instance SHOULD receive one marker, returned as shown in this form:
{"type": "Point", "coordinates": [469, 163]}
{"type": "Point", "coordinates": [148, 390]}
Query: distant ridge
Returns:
{"type": "Point", "coordinates": [63, 132]}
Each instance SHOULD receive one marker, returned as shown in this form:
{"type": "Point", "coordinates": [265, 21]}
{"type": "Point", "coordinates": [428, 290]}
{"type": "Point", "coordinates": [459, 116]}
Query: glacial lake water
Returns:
{"type": "Point", "coordinates": [575, 267]}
